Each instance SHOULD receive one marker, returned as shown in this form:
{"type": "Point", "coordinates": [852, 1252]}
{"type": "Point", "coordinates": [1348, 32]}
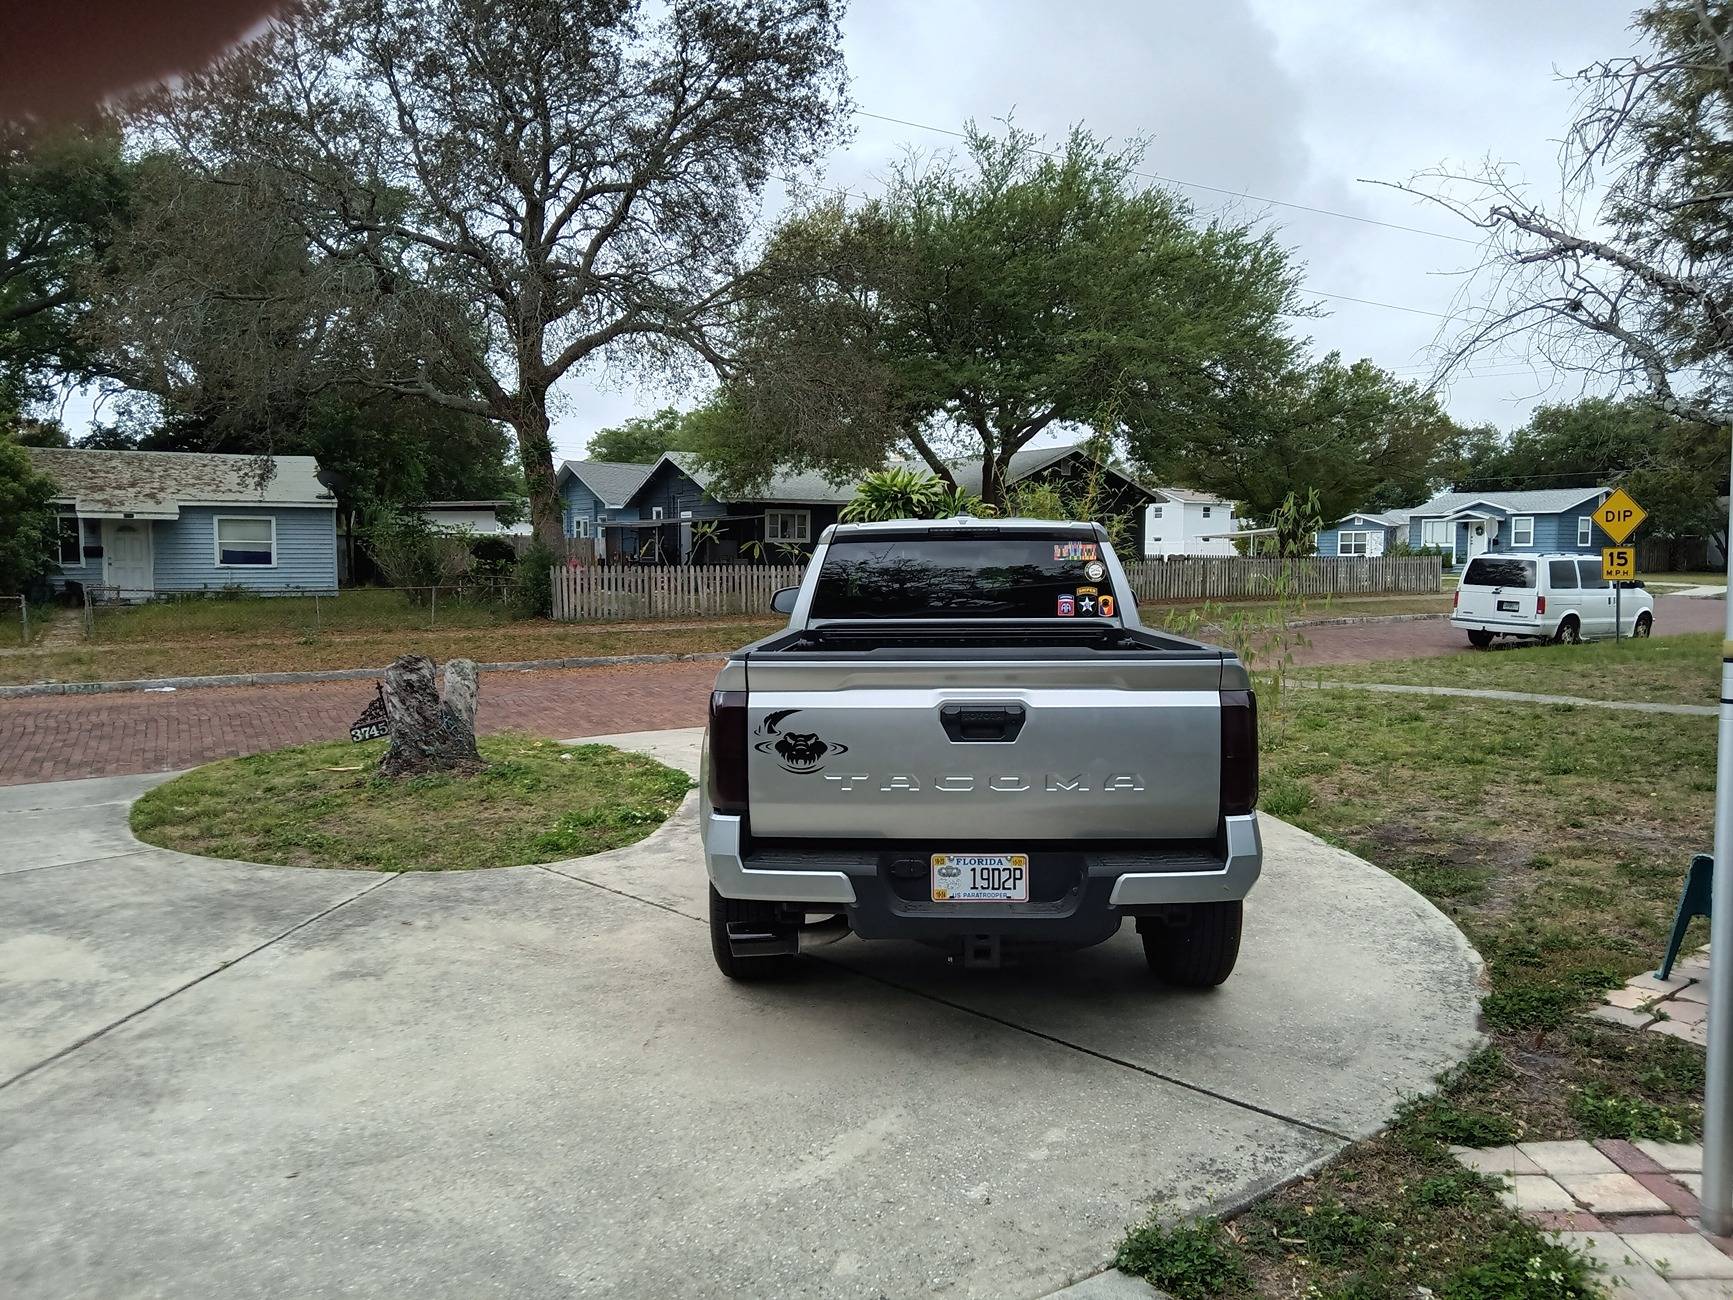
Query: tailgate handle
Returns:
{"type": "Point", "coordinates": [986, 723]}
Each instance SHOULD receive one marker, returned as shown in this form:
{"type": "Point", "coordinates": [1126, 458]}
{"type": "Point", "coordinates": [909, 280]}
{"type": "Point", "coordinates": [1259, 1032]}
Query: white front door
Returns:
{"type": "Point", "coordinates": [1480, 535]}
{"type": "Point", "coordinates": [127, 561]}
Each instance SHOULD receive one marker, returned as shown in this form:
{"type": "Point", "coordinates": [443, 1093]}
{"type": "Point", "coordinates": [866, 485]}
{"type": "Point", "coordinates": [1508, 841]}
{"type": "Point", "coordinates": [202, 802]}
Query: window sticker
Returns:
{"type": "Point", "coordinates": [1107, 607]}
{"type": "Point", "coordinates": [1088, 591]}
{"type": "Point", "coordinates": [1067, 606]}
{"type": "Point", "coordinates": [1085, 604]}
{"type": "Point", "coordinates": [1090, 551]}
{"type": "Point", "coordinates": [1095, 571]}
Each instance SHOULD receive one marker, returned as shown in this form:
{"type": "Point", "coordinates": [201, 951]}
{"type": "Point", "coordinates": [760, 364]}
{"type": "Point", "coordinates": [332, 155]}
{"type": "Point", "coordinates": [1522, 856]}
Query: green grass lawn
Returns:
{"type": "Point", "coordinates": [268, 651]}
{"type": "Point", "coordinates": [323, 806]}
{"type": "Point", "coordinates": [1683, 669]}
{"type": "Point", "coordinates": [1557, 838]}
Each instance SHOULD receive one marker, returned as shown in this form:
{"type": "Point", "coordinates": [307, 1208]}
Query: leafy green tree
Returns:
{"type": "Point", "coordinates": [524, 186]}
{"type": "Point", "coordinates": [61, 190]}
{"type": "Point", "coordinates": [1676, 468]}
{"type": "Point", "coordinates": [641, 439]}
{"type": "Point", "coordinates": [27, 527]}
{"type": "Point", "coordinates": [971, 306]}
{"type": "Point", "coordinates": [1354, 434]}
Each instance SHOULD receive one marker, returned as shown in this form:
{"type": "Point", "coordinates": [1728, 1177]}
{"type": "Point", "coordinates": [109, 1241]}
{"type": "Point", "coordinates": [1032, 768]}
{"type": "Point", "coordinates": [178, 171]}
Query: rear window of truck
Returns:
{"type": "Point", "coordinates": [1489, 572]}
{"type": "Point", "coordinates": [964, 577]}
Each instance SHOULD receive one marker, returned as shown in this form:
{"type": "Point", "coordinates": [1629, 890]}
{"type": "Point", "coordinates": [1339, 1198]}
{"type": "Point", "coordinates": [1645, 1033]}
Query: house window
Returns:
{"type": "Point", "coordinates": [788, 525]}
{"type": "Point", "coordinates": [246, 542]}
{"type": "Point", "coordinates": [1155, 512]}
{"type": "Point", "coordinates": [1522, 530]}
{"type": "Point", "coordinates": [1354, 543]}
{"type": "Point", "coordinates": [1585, 531]}
{"type": "Point", "coordinates": [580, 527]}
{"type": "Point", "coordinates": [71, 540]}
{"type": "Point", "coordinates": [655, 512]}
{"type": "Point", "coordinates": [1206, 512]}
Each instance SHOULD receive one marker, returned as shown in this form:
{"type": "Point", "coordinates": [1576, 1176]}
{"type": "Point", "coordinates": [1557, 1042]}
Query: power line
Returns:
{"type": "Point", "coordinates": [1213, 189]}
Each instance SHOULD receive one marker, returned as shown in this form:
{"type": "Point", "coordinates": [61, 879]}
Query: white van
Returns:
{"type": "Point", "coordinates": [1547, 597]}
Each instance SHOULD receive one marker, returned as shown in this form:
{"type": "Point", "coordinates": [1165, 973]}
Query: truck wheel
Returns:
{"type": "Point", "coordinates": [1199, 951]}
{"type": "Point", "coordinates": [749, 910]}
{"type": "Point", "coordinates": [1569, 632]}
{"type": "Point", "coordinates": [1479, 639]}
{"type": "Point", "coordinates": [1645, 625]}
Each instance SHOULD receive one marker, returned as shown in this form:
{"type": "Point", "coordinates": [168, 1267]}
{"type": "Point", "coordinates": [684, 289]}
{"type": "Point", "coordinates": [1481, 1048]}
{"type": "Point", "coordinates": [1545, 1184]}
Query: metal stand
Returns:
{"type": "Point", "coordinates": [1618, 610]}
{"type": "Point", "coordinates": [1718, 1090]}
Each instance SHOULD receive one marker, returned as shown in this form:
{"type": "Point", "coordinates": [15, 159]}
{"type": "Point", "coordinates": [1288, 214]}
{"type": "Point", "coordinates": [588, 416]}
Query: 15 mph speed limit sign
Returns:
{"type": "Point", "coordinates": [1618, 563]}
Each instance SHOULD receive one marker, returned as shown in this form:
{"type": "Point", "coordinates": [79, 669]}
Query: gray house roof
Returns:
{"type": "Point", "coordinates": [156, 484]}
{"type": "Point", "coordinates": [795, 489]}
{"type": "Point", "coordinates": [815, 489]}
{"type": "Point", "coordinates": [1191, 496]}
{"type": "Point", "coordinates": [612, 481]}
{"type": "Point", "coordinates": [1544, 501]}
{"type": "Point", "coordinates": [1388, 518]}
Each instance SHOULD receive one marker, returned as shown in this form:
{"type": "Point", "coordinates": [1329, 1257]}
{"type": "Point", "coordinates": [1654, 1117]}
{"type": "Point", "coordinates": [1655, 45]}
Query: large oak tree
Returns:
{"type": "Point", "coordinates": [977, 303]}
{"type": "Point", "coordinates": [524, 185]}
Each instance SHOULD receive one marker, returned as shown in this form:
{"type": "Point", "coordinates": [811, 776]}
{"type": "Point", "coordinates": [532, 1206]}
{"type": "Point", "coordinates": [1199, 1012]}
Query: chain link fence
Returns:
{"type": "Point", "coordinates": [117, 614]}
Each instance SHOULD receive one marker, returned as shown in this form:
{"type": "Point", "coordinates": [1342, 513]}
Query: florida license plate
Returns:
{"type": "Point", "coordinates": [1508, 606]}
{"type": "Point", "coordinates": [980, 877]}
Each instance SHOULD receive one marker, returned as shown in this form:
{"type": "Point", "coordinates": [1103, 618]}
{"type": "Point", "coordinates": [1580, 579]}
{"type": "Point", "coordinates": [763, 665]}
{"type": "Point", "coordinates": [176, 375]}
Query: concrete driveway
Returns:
{"type": "Point", "coordinates": [229, 1079]}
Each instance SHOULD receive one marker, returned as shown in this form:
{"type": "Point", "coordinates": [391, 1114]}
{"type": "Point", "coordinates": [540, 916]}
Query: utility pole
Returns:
{"type": "Point", "coordinates": [1718, 1089]}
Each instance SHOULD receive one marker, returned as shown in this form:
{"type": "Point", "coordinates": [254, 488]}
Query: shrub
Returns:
{"type": "Point", "coordinates": [532, 586]}
{"type": "Point", "coordinates": [1192, 1261]}
{"type": "Point", "coordinates": [410, 552]}
{"type": "Point", "coordinates": [494, 557]}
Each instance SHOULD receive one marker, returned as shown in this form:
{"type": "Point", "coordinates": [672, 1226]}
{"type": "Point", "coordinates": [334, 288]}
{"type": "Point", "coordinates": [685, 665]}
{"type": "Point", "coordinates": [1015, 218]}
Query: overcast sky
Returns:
{"type": "Point", "coordinates": [1287, 99]}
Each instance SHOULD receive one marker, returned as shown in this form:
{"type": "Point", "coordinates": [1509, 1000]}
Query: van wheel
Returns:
{"type": "Point", "coordinates": [1479, 639]}
{"type": "Point", "coordinates": [1569, 633]}
{"type": "Point", "coordinates": [1645, 625]}
{"type": "Point", "coordinates": [752, 912]}
{"type": "Point", "coordinates": [1198, 951]}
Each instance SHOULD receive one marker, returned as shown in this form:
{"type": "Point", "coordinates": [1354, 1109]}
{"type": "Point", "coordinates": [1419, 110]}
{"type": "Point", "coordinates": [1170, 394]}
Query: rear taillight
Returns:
{"type": "Point", "coordinates": [728, 752]}
{"type": "Point", "coordinates": [1456, 599]}
{"type": "Point", "coordinates": [1239, 752]}
{"type": "Point", "coordinates": [1540, 604]}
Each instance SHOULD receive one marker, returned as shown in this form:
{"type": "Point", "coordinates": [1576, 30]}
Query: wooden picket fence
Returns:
{"type": "Point", "coordinates": [1239, 577]}
{"type": "Point", "coordinates": [676, 591]}
{"type": "Point", "coordinates": [668, 591]}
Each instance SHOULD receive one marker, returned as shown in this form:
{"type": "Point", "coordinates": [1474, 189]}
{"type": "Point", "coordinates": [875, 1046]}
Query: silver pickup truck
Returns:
{"type": "Point", "coordinates": [965, 736]}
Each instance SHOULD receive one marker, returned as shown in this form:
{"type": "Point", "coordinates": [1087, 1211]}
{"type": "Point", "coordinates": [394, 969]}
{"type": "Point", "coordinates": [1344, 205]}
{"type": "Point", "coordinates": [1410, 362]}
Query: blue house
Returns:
{"type": "Point", "coordinates": [1365, 533]}
{"type": "Point", "coordinates": [595, 493]}
{"type": "Point", "coordinates": [1550, 520]}
{"type": "Point", "coordinates": [778, 521]}
{"type": "Point", "coordinates": [133, 524]}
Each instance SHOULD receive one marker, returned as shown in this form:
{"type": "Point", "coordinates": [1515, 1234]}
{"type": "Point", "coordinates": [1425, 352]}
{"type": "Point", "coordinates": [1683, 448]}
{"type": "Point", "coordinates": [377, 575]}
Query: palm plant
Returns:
{"type": "Point", "coordinates": [895, 494]}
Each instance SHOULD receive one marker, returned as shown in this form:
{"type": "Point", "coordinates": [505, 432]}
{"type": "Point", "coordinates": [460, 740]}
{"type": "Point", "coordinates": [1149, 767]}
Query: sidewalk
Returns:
{"type": "Point", "coordinates": [56, 737]}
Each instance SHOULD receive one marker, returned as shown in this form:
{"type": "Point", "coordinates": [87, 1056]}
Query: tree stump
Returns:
{"type": "Point", "coordinates": [430, 732]}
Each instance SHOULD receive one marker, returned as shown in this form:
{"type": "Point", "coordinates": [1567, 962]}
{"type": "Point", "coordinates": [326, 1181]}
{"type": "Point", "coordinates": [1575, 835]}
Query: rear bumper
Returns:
{"type": "Point", "coordinates": [1108, 886]}
{"type": "Point", "coordinates": [1527, 627]}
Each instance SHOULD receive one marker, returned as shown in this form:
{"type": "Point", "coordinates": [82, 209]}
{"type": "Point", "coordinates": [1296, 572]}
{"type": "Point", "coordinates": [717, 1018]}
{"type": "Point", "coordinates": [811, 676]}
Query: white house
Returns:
{"type": "Point", "coordinates": [479, 517]}
{"type": "Point", "coordinates": [1184, 522]}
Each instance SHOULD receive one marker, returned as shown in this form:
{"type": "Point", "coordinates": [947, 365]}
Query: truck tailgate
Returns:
{"type": "Point", "coordinates": [1033, 750]}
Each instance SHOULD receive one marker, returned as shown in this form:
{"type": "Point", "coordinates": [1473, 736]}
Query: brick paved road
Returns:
{"type": "Point", "coordinates": [55, 737]}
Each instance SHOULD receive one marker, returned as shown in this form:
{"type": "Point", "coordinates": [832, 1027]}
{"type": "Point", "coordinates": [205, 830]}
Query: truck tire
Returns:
{"type": "Point", "coordinates": [1569, 632]}
{"type": "Point", "coordinates": [722, 911]}
{"type": "Point", "coordinates": [1479, 639]}
{"type": "Point", "coordinates": [1199, 951]}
